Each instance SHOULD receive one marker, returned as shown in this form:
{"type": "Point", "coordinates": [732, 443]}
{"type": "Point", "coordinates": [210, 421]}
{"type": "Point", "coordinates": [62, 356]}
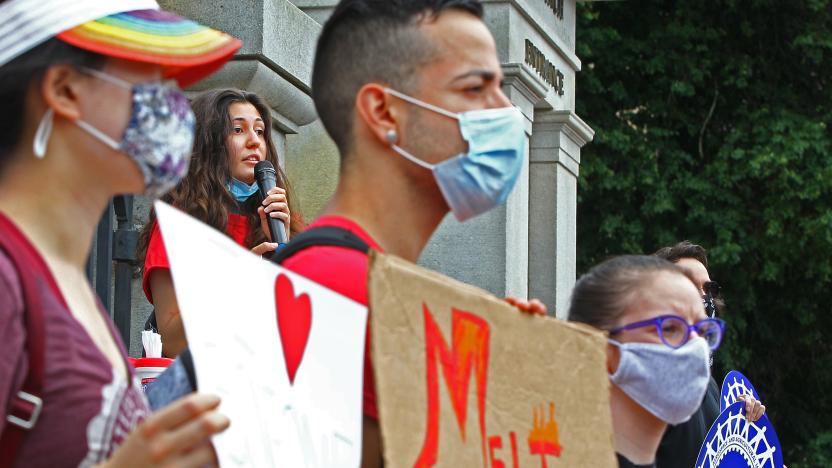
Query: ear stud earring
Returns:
{"type": "Point", "coordinates": [392, 136]}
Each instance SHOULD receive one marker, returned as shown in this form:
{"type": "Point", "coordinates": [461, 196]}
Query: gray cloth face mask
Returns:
{"type": "Point", "coordinates": [669, 383]}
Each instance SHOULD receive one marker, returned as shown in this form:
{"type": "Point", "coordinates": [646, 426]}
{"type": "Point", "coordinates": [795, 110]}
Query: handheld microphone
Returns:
{"type": "Point", "coordinates": [266, 179]}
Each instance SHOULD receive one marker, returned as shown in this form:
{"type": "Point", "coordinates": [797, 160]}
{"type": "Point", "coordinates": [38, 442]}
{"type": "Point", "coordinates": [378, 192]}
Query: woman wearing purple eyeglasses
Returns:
{"type": "Point", "coordinates": [659, 347]}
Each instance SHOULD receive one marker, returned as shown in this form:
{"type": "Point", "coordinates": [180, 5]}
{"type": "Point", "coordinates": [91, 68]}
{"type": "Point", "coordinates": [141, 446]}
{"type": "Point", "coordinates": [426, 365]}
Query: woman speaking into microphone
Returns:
{"type": "Point", "coordinates": [233, 135]}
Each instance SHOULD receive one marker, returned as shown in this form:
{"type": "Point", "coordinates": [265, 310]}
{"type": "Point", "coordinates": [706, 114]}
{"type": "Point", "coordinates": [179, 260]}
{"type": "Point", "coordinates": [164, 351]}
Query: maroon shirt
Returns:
{"type": "Point", "coordinates": [88, 408]}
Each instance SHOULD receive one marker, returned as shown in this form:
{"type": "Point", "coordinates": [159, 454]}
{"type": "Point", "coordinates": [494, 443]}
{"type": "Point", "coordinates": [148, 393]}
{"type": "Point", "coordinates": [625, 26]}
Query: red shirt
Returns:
{"type": "Point", "coordinates": [343, 270]}
{"type": "Point", "coordinates": [237, 229]}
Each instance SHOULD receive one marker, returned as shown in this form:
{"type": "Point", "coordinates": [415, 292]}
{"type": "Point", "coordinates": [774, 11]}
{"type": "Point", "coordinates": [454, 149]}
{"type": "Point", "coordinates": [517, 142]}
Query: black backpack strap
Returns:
{"type": "Point", "coordinates": [188, 364]}
{"type": "Point", "coordinates": [330, 236]}
{"type": "Point", "coordinates": [150, 323]}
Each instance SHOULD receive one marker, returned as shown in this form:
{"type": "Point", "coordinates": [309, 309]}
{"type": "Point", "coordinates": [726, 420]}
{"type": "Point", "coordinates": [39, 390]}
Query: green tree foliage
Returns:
{"type": "Point", "coordinates": [712, 123]}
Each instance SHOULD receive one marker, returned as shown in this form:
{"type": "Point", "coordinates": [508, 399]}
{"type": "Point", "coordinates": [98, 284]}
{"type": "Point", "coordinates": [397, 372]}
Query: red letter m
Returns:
{"type": "Point", "coordinates": [469, 352]}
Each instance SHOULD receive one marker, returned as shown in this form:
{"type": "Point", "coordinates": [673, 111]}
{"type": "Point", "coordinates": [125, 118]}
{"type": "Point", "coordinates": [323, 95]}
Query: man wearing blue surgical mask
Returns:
{"type": "Point", "coordinates": [410, 91]}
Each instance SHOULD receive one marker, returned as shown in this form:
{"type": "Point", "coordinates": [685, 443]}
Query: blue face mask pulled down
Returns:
{"type": "Point", "coordinates": [241, 191]}
{"type": "Point", "coordinates": [481, 179]}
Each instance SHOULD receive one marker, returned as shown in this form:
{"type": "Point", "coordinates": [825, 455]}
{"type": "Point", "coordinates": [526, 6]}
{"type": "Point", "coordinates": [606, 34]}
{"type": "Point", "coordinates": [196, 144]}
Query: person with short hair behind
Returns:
{"type": "Point", "coordinates": [694, 258]}
{"type": "Point", "coordinates": [659, 342]}
{"type": "Point", "coordinates": [87, 114]}
{"type": "Point", "coordinates": [681, 443]}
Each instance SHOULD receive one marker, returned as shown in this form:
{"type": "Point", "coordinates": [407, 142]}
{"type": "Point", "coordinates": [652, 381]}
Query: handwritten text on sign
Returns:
{"type": "Point", "coordinates": [463, 379]}
{"type": "Point", "coordinates": [469, 354]}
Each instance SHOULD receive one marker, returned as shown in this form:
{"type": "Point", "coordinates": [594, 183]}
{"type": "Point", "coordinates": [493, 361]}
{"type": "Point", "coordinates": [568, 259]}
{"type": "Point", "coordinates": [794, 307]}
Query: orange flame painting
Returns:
{"type": "Point", "coordinates": [543, 438]}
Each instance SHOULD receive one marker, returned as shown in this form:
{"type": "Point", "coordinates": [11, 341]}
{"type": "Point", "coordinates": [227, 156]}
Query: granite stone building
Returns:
{"type": "Point", "coordinates": [526, 247]}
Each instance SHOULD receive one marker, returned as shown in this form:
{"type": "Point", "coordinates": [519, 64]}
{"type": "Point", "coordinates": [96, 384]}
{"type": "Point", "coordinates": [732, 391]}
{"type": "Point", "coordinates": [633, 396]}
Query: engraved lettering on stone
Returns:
{"type": "Point", "coordinates": [544, 67]}
{"type": "Point", "coordinates": [556, 6]}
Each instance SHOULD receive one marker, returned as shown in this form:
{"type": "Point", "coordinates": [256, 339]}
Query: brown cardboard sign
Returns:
{"type": "Point", "coordinates": [465, 380]}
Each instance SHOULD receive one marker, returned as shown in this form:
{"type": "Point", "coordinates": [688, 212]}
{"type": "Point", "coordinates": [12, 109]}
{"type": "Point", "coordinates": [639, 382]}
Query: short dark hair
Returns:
{"type": "Point", "coordinates": [687, 249]}
{"type": "Point", "coordinates": [21, 74]}
{"type": "Point", "coordinates": [371, 40]}
{"type": "Point", "coordinates": [602, 295]}
{"type": "Point", "coordinates": [684, 249]}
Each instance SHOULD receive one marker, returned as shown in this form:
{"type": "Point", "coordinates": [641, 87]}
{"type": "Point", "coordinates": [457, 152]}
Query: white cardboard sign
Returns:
{"type": "Point", "coordinates": [227, 297]}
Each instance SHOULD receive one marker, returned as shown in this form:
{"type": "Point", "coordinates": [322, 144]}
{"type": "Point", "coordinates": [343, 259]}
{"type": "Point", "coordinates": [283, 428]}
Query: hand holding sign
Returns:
{"type": "Point", "coordinates": [754, 409]}
{"type": "Point", "coordinates": [735, 442]}
{"type": "Point", "coordinates": [742, 436]}
{"type": "Point", "coordinates": [531, 306]}
{"type": "Point", "coordinates": [178, 435]}
{"type": "Point", "coordinates": [736, 387]}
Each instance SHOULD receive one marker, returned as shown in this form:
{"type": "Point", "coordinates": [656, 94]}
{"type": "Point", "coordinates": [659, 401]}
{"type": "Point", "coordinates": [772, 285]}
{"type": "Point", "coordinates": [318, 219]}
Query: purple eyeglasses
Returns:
{"type": "Point", "coordinates": [674, 331]}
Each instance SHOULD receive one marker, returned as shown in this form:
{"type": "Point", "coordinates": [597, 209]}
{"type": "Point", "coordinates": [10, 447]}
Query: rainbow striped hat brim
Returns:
{"type": "Point", "coordinates": [129, 29]}
{"type": "Point", "coordinates": [187, 50]}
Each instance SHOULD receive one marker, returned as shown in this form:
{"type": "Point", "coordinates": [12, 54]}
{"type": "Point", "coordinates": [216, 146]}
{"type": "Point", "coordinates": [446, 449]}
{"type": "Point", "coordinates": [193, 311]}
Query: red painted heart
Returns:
{"type": "Point", "coordinates": [294, 321]}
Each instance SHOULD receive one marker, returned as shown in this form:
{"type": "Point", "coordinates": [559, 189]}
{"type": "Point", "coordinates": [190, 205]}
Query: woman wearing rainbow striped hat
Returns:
{"type": "Point", "coordinates": [87, 113]}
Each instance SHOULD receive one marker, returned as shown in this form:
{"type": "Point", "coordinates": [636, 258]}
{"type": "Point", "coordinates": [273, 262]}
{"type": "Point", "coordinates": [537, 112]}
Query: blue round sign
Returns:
{"type": "Point", "coordinates": [734, 442]}
{"type": "Point", "coordinates": [734, 385]}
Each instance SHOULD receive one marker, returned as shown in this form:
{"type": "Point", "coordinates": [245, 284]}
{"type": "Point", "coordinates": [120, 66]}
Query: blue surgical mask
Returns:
{"type": "Point", "coordinates": [241, 191]}
{"type": "Point", "coordinates": [481, 179]}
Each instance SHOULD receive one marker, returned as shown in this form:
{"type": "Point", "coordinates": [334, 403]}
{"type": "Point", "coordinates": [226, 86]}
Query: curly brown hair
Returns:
{"type": "Point", "coordinates": [203, 193]}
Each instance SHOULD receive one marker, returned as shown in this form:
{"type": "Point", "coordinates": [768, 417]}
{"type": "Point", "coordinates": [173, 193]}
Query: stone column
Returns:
{"type": "Point", "coordinates": [275, 61]}
{"type": "Point", "coordinates": [555, 155]}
